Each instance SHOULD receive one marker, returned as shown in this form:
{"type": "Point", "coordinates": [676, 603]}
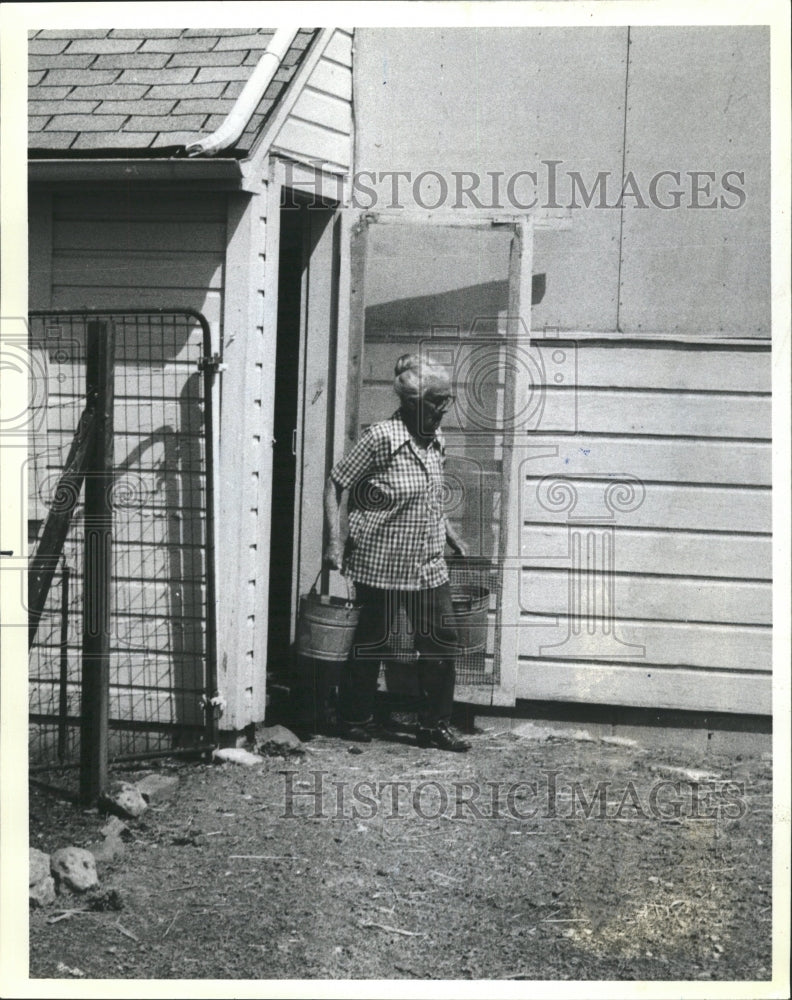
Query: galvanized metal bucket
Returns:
{"type": "Point", "coordinates": [470, 604]}
{"type": "Point", "coordinates": [326, 625]}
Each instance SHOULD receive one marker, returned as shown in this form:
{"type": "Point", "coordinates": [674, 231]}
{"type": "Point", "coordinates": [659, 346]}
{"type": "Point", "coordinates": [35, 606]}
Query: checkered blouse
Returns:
{"type": "Point", "coordinates": [396, 517]}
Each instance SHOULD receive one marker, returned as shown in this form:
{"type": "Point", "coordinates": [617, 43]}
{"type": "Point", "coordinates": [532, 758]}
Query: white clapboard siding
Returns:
{"type": "Point", "coordinates": [606, 364]}
{"type": "Point", "coordinates": [380, 357]}
{"type": "Point", "coordinates": [172, 207]}
{"type": "Point", "coordinates": [682, 461]}
{"type": "Point", "coordinates": [670, 644]}
{"type": "Point", "coordinates": [665, 505]}
{"type": "Point", "coordinates": [657, 598]}
{"type": "Point", "coordinates": [136, 235]}
{"type": "Point", "coordinates": [147, 296]}
{"type": "Point", "coordinates": [658, 592]}
{"type": "Point", "coordinates": [683, 366]}
{"type": "Point", "coordinates": [319, 125]}
{"type": "Point", "coordinates": [668, 553]}
{"type": "Point", "coordinates": [647, 687]}
{"type": "Point", "coordinates": [656, 414]}
{"type": "Point", "coordinates": [327, 110]}
{"type": "Point", "coordinates": [597, 412]}
{"type": "Point", "coordinates": [332, 78]}
{"type": "Point", "coordinates": [339, 48]}
{"type": "Point", "coordinates": [124, 269]}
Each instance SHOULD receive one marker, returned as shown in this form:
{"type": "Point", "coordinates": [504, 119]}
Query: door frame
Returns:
{"type": "Point", "coordinates": [516, 400]}
{"type": "Point", "coordinates": [335, 292]}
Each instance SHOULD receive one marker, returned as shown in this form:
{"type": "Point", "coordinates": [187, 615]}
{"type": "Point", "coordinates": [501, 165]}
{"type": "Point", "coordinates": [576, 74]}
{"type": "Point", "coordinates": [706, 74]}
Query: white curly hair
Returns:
{"type": "Point", "coordinates": [416, 376]}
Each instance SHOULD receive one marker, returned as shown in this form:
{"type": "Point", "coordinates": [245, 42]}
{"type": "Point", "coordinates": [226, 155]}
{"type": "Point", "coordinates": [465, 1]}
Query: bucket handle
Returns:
{"type": "Point", "coordinates": [349, 603]}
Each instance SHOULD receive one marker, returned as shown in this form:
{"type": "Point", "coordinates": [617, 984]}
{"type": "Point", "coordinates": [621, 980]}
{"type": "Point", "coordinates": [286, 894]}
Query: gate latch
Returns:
{"type": "Point", "coordinates": [212, 363]}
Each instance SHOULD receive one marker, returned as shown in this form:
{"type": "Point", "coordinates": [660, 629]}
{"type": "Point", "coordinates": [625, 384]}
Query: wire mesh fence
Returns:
{"type": "Point", "coordinates": [161, 634]}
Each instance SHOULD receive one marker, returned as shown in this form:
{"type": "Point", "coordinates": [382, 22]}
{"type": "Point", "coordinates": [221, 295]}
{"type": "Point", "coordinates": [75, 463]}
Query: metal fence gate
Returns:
{"type": "Point", "coordinates": [159, 662]}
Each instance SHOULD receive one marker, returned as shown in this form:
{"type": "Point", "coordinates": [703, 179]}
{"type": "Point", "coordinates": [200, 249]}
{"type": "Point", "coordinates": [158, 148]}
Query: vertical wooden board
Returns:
{"type": "Point", "coordinates": [315, 430]}
{"type": "Point", "coordinates": [699, 99]}
{"type": "Point", "coordinates": [240, 474]}
{"type": "Point", "coordinates": [517, 390]}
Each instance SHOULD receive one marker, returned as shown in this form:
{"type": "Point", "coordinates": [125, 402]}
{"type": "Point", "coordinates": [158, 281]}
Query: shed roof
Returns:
{"type": "Point", "coordinates": [145, 91]}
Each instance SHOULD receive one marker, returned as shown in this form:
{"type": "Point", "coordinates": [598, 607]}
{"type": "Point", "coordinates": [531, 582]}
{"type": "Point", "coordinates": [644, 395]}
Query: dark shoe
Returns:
{"type": "Point", "coordinates": [349, 731]}
{"type": "Point", "coordinates": [442, 737]}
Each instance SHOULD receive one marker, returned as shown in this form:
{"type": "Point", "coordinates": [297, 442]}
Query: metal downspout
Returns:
{"type": "Point", "coordinates": [247, 102]}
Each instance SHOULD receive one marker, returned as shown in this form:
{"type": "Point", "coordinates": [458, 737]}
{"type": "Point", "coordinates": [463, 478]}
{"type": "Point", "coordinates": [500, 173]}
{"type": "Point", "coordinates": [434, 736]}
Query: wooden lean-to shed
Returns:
{"type": "Point", "coordinates": [170, 177]}
{"type": "Point", "coordinates": [609, 450]}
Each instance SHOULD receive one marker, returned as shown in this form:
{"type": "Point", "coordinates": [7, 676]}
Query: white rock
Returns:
{"type": "Point", "coordinates": [39, 866]}
{"type": "Point", "coordinates": [235, 755]}
{"type": "Point", "coordinates": [156, 787]}
{"type": "Point", "coordinates": [123, 798]}
{"type": "Point", "coordinates": [532, 731]}
{"type": "Point", "coordinates": [75, 868]}
{"type": "Point", "coordinates": [109, 850]}
{"type": "Point", "coordinates": [114, 827]}
{"type": "Point", "coordinates": [65, 970]}
{"type": "Point", "coordinates": [277, 740]}
{"type": "Point", "coordinates": [688, 773]}
{"type": "Point", "coordinates": [43, 892]}
{"type": "Point", "coordinates": [619, 741]}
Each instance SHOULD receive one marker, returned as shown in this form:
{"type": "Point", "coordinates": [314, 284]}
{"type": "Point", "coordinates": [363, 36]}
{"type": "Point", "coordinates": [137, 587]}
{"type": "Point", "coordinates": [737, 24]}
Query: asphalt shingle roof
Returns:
{"type": "Point", "coordinates": [152, 90]}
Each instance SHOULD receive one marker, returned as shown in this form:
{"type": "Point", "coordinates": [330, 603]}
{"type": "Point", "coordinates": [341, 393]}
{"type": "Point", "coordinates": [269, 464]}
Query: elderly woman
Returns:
{"type": "Point", "coordinates": [394, 553]}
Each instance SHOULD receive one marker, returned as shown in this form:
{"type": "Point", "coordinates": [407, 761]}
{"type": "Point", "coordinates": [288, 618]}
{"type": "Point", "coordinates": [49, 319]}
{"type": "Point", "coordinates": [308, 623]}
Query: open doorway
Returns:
{"type": "Point", "coordinates": [304, 412]}
{"type": "Point", "coordinates": [291, 268]}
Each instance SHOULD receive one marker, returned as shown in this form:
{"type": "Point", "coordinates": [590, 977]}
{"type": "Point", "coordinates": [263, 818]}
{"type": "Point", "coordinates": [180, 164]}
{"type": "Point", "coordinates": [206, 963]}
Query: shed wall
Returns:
{"type": "Point", "coordinates": [665, 604]}
{"type": "Point", "coordinates": [687, 545]}
{"type": "Point", "coordinates": [116, 249]}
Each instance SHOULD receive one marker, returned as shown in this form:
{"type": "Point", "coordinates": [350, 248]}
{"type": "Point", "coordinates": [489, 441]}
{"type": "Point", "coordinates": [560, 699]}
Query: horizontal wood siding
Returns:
{"type": "Point", "coordinates": [646, 555]}
{"type": "Point", "coordinates": [319, 126]}
{"type": "Point", "coordinates": [145, 251]}
{"type": "Point", "coordinates": [142, 250]}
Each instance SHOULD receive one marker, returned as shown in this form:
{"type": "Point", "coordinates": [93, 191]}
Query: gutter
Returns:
{"type": "Point", "coordinates": [224, 171]}
{"type": "Point", "coordinates": [247, 102]}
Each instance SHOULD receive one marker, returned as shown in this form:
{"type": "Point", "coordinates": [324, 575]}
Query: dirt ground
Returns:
{"type": "Point", "coordinates": [295, 869]}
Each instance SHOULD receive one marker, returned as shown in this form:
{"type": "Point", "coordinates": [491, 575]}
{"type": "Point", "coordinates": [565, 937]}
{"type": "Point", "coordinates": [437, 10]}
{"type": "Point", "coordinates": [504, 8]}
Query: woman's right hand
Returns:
{"type": "Point", "coordinates": [332, 554]}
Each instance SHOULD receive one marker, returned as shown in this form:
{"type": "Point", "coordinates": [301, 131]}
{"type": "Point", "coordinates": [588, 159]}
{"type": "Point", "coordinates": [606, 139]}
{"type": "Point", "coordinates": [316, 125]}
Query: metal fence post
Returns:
{"type": "Point", "coordinates": [100, 350]}
{"type": "Point", "coordinates": [63, 697]}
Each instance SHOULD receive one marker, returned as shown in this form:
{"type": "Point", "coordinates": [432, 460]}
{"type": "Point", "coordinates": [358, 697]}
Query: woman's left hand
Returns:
{"type": "Point", "coordinates": [459, 547]}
